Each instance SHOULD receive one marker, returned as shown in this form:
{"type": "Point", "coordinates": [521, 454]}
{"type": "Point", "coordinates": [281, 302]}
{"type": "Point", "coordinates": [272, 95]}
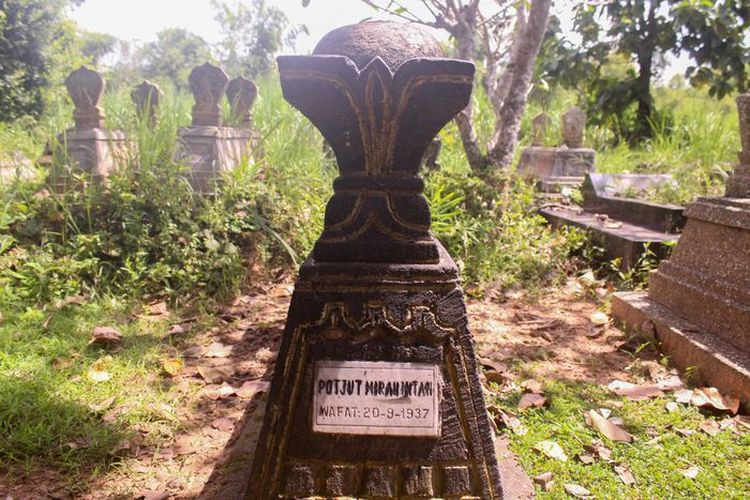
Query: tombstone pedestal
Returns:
{"type": "Point", "coordinates": [555, 168]}
{"type": "Point", "coordinates": [209, 151]}
{"type": "Point", "coordinates": [440, 444]}
{"type": "Point", "coordinates": [93, 151]}
{"type": "Point", "coordinates": [698, 301]}
{"type": "Point", "coordinates": [376, 390]}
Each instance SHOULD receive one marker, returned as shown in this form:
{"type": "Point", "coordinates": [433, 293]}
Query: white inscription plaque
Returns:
{"type": "Point", "coordinates": [376, 398]}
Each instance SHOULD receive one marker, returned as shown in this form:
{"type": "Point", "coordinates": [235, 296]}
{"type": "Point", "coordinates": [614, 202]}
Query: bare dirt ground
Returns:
{"type": "Point", "coordinates": [209, 456]}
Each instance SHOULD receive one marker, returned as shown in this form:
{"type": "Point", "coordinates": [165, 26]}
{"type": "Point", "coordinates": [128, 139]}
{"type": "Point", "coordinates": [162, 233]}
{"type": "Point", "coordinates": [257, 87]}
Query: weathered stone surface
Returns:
{"type": "Point", "coordinates": [341, 480]}
{"type": "Point", "coordinates": [15, 165]}
{"type": "Point", "coordinates": [86, 88]}
{"type": "Point", "coordinates": [738, 184]}
{"type": "Point", "coordinates": [573, 126]}
{"type": "Point", "coordinates": [241, 94]}
{"type": "Point", "coordinates": [706, 286]}
{"type": "Point", "coordinates": [392, 42]}
{"type": "Point", "coordinates": [88, 147]}
{"type": "Point", "coordinates": [379, 481]}
{"type": "Point", "coordinates": [378, 286]}
{"type": "Point", "coordinates": [539, 127]}
{"type": "Point", "coordinates": [299, 481]}
{"type": "Point", "coordinates": [146, 97]}
{"type": "Point", "coordinates": [456, 481]}
{"type": "Point", "coordinates": [417, 481]}
{"type": "Point", "coordinates": [556, 168]}
{"type": "Point", "coordinates": [207, 83]}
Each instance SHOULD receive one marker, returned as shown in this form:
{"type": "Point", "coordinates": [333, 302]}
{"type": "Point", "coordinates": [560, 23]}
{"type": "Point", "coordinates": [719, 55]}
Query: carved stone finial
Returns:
{"type": "Point", "coordinates": [573, 124]}
{"type": "Point", "coordinates": [393, 42]}
{"type": "Point", "coordinates": [146, 97]}
{"type": "Point", "coordinates": [86, 88]}
{"type": "Point", "coordinates": [207, 83]}
{"type": "Point", "coordinates": [540, 124]}
{"type": "Point", "coordinates": [743, 108]}
{"type": "Point", "coordinates": [379, 124]}
{"type": "Point", "coordinates": [241, 93]}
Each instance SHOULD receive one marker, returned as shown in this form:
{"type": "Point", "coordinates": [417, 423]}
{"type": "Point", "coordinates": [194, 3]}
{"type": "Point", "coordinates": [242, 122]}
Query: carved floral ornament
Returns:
{"type": "Point", "coordinates": [379, 124]}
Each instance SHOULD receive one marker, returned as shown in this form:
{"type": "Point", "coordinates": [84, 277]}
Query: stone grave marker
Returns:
{"type": "Point", "coordinates": [623, 226]}
{"type": "Point", "coordinates": [146, 97]}
{"type": "Point", "coordinates": [207, 146]}
{"type": "Point", "coordinates": [241, 93]}
{"type": "Point", "coordinates": [88, 146]}
{"type": "Point", "coordinates": [539, 126]}
{"type": "Point", "coordinates": [698, 302]}
{"type": "Point", "coordinates": [376, 389]}
{"type": "Point", "coordinates": [557, 168]}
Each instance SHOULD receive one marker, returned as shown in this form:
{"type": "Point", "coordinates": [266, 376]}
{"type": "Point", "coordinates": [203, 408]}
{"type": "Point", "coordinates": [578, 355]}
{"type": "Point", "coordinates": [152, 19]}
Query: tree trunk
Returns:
{"type": "Point", "coordinates": [645, 58]}
{"type": "Point", "coordinates": [501, 156]}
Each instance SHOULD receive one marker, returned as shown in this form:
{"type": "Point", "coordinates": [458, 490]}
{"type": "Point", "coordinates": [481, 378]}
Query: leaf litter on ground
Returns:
{"type": "Point", "coordinates": [551, 449]}
{"type": "Point", "coordinates": [608, 429]}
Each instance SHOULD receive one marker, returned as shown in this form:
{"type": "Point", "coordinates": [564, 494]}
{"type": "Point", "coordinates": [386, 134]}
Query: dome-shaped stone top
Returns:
{"type": "Point", "coordinates": [393, 42]}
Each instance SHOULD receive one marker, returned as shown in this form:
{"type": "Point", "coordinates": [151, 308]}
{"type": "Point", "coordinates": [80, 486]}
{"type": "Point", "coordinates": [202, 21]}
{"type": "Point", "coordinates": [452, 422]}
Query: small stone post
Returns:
{"type": "Point", "coordinates": [539, 127]}
{"type": "Point", "coordinates": [88, 146]}
{"type": "Point", "coordinates": [207, 146]}
{"type": "Point", "coordinates": [738, 185]}
{"type": "Point", "coordinates": [573, 125]}
{"type": "Point", "coordinates": [146, 97]}
{"type": "Point", "coordinates": [241, 94]}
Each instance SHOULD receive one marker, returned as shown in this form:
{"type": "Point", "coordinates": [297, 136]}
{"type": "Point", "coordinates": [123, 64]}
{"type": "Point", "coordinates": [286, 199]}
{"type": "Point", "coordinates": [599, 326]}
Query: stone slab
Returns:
{"type": "Point", "coordinates": [720, 364]}
{"type": "Point", "coordinates": [627, 241]}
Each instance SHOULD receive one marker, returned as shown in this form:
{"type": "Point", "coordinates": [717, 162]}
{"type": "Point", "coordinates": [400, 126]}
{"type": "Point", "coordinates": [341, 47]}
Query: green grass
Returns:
{"type": "Point", "coordinates": [46, 393]}
{"type": "Point", "coordinates": [656, 464]}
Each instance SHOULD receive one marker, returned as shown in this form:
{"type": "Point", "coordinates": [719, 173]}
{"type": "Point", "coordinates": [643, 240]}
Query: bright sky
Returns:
{"type": "Point", "coordinates": [140, 20]}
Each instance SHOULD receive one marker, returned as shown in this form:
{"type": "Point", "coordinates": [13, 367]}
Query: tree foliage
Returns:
{"type": "Point", "coordinates": [713, 34]}
{"type": "Point", "coordinates": [28, 30]}
{"type": "Point", "coordinates": [173, 54]}
{"type": "Point", "coordinates": [254, 32]}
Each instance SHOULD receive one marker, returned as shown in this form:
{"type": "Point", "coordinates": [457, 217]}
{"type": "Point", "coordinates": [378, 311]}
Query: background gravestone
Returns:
{"type": "Point", "coordinates": [698, 301]}
{"type": "Point", "coordinates": [376, 391]}
{"type": "Point", "coordinates": [88, 146]}
{"type": "Point", "coordinates": [207, 146]}
{"type": "Point", "coordinates": [146, 96]}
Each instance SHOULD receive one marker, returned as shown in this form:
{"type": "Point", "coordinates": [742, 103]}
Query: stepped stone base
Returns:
{"type": "Point", "coordinates": [721, 364]}
{"type": "Point", "coordinates": [210, 151]}
{"type": "Point", "coordinates": [699, 300]}
{"type": "Point", "coordinates": [96, 151]}
{"type": "Point", "coordinates": [556, 168]}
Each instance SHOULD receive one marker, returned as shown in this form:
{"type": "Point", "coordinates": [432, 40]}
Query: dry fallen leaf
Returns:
{"type": "Point", "coordinates": [152, 495]}
{"type": "Point", "coordinates": [223, 424]}
{"type": "Point", "coordinates": [683, 395]}
{"type": "Point", "coordinates": [98, 370]}
{"type": "Point", "coordinates": [61, 363]}
{"type": "Point", "coordinates": [530, 400]}
{"type": "Point", "coordinates": [248, 389]}
{"type": "Point", "coordinates": [691, 472]}
{"type": "Point", "coordinates": [104, 405]}
{"type": "Point", "coordinates": [173, 366]}
{"type": "Point", "coordinates": [177, 330]}
{"type": "Point", "coordinates": [672, 407]}
{"type": "Point", "coordinates": [625, 475]}
{"type": "Point", "coordinates": [105, 336]}
{"type": "Point", "coordinates": [534, 386]}
{"type": "Point", "coordinates": [552, 450]}
{"type": "Point", "coordinates": [157, 309]}
{"type": "Point", "coordinates": [495, 376]}
{"type": "Point", "coordinates": [634, 392]}
{"type": "Point", "coordinates": [684, 432]}
{"type": "Point", "coordinates": [608, 429]}
{"type": "Point", "coordinates": [545, 480]}
{"type": "Point", "coordinates": [710, 396]}
{"type": "Point", "coordinates": [599, 318]}
{"type": "Point", "coordinates": [184, 446]}
{"type": "Point", "coordinates": [672, 383]}
{"type": "Point", "coordinates": [578, 491]}
{"type": "Point", "coordinates": [599, 449]}
{"type": "Point", "coordinates": [586, 458]}
{"type": "Point", "coordinates": [218, 350]}
{"type": "Point", "coordinates": [710, 427]}
{"type": "Point", "coordinates": [493, 365]}
{"type": "Point", "coordinates": [216, 374]}
{"type": "Point", "coordinates": [193, 352]}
